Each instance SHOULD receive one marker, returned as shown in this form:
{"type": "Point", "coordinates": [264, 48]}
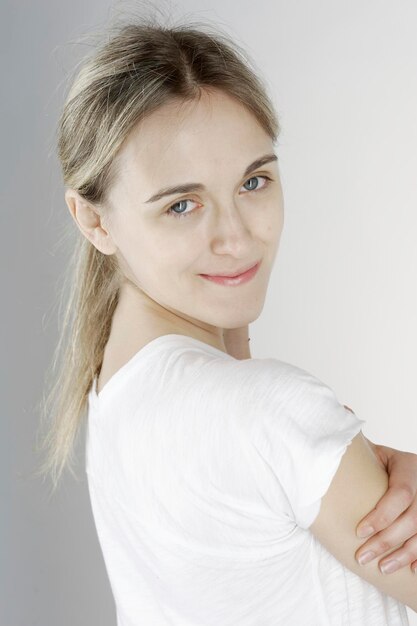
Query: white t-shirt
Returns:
{"type": "Point", "coordinates": [205, 473]}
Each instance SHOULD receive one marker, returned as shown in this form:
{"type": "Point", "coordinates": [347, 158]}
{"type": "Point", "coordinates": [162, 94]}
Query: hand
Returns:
{"type": "Point", "coordinates": [236, 341]}
{"type": "Point", "coordinates": [394, 517]}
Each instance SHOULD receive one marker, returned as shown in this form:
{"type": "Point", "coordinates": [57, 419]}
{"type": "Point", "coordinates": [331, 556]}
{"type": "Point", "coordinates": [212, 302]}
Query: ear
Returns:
{"type": "Point", "coordinates": [90, 222]}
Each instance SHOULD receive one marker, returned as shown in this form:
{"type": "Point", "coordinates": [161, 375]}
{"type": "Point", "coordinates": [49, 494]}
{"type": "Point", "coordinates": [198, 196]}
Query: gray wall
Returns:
{"type": "Point", "coordinates": [342, 301]}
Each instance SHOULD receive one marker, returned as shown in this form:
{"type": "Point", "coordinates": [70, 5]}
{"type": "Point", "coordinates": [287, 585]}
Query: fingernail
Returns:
{"type": "Point", "coordinates": [366, 557]}
{"type": "Point", "coordinates": [414, 570]}
{"type": "Point", "coordinates": [390, 566]}
{"type": "Point", "coordinates": [365, 531]}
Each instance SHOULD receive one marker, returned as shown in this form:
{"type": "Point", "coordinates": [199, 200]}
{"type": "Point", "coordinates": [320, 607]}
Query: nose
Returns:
{"type": "Point", "coordinates": [231, 232]}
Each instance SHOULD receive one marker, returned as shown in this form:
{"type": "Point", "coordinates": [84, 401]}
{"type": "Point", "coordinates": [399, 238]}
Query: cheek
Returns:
{"type": "Point", "coordinates": [277, 223]}
{"type": "Point", "coordinates": [269, 223]}
{"type": "Point", "coordinates": [161, 260]}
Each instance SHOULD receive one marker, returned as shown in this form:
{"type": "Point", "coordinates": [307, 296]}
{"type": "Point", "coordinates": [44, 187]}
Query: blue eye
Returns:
{"type": "Point", "coordinates": [254, 178]}
{"type": "Point", "coordinates": [170, 210]}
{"type": "Point", "coordinates": [181, 213]}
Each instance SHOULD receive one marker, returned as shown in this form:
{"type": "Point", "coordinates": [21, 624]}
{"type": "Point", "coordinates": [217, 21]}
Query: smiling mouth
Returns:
{"type": "Point", "coordinates": [229, 281]}
{"type": "Point", "coordinates": [234, 275]}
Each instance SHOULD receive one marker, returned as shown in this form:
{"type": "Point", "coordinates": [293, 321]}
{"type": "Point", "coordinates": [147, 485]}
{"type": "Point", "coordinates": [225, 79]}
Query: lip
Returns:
{"type": "Point", "coordinates": [232, 281]}
{"type": "Point", "coordinates": [235, 275]}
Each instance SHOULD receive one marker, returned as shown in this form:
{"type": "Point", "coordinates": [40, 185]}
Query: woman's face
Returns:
{"type": "Point", "coordinates": [229, 218]}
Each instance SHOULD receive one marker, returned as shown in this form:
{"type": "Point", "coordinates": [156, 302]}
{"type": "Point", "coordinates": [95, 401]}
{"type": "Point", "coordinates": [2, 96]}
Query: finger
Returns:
{"type": "Point", "coordinates": [399, 558]}
{"type": "Point", "coordinates": [402, 469]}
{"type": "Point", "coordinates": [395, 501]}
{"type": "Point", "coordinates": [404, 529]}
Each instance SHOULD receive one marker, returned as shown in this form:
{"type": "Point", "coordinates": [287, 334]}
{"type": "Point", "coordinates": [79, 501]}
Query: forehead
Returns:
{"type": "Point", "coordinates": [177, 140]}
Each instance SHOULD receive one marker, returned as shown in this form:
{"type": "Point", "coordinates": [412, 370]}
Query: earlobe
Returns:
{"type": "Point", "coordinates": [89, 222]}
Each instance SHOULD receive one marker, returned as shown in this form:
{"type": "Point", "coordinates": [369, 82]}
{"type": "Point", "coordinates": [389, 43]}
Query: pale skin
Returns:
{"type": "Point", "coordinates": [234, 220]}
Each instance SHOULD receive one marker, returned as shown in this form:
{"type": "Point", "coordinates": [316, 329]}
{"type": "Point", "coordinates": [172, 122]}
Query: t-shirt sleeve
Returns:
{"type": "Point", "coordinates": [301, 430]}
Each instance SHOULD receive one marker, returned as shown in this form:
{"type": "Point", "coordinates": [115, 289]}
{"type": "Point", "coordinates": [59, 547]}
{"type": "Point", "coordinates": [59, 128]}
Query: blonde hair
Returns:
{"type": "Point", "coordinates": [140, 66]}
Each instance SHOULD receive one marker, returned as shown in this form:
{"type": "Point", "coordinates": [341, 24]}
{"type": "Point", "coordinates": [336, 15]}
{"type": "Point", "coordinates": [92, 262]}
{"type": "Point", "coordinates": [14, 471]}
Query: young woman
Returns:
{"type": "Point", "coordinates": [226, 490]}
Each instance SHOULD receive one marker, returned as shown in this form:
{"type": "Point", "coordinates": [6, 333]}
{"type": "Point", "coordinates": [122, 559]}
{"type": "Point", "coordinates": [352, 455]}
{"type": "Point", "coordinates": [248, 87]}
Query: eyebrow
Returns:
{"type": "Point", "coordinates": [188, 187]}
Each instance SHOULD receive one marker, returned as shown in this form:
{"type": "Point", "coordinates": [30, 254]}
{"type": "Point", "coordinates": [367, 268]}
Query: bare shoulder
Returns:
{"type": "Point", "coordinates": [358, 484]}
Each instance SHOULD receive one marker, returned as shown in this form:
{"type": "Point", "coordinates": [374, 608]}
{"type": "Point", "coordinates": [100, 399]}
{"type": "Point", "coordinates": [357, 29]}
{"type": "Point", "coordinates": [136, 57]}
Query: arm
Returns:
{"type": "Point", "coordinates": [358, 484]}
{"type": "Point", "coordinates": [394, 516]}
{"type": "Point", "coordinates": [392, 522]}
